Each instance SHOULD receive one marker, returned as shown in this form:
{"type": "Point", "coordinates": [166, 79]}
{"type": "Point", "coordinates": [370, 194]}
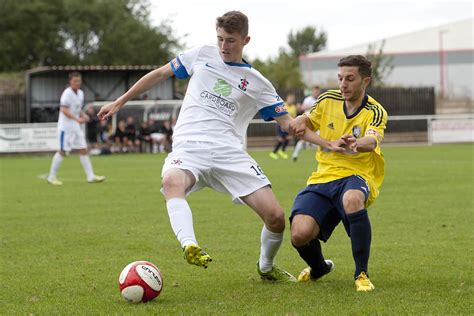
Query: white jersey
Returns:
{"type": "Point", "coordinates": [73, 101]}
{"type": "Point", "coordinates": [308, 102]}
{"type": "Point", "coordinates": [221, 98]}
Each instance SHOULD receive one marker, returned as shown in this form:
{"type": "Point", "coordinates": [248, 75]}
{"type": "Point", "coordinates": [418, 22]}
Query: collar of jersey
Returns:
{"type": "Point", "coordinates": [364, 102]}
{"type": "Point", "coordinates": [244, 64]}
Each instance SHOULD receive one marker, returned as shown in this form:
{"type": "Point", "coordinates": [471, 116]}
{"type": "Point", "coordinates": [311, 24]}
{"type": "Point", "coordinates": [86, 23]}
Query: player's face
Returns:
{"type": "Point", "coordinates": [75, 83]}
{"type": "Point", "coordinates": [231, 45]}
{"type": "Point", "coordinates": [316, 92]}
{"type": "Point", "coordinates": [351, 83]}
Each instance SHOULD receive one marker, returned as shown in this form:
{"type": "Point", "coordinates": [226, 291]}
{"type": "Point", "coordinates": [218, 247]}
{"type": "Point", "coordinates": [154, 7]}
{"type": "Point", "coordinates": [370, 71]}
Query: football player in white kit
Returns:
{"type": "Point", "coordinates": [223, 95]}
{"type": "Point", "coordinates": [70, 134]}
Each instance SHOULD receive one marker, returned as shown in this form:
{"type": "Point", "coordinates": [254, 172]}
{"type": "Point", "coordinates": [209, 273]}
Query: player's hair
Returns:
{"type": "Point", "coordinates": [234, 22]}
{"type": "Point", "coordinates": [74, 74]}
{"type": "Point", "coordinates": [364, 65]}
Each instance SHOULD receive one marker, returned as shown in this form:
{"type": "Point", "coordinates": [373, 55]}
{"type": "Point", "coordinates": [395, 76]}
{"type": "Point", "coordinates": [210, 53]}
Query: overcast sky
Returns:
{"type": "Point", "coordinates": [347, 23]}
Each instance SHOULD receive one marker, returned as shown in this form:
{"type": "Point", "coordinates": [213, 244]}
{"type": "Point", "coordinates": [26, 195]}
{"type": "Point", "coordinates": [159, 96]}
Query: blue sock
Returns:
{"type": "Point", "coordinates": [361, 235]}
{"type": "Point", "coordinates": [313, 256]}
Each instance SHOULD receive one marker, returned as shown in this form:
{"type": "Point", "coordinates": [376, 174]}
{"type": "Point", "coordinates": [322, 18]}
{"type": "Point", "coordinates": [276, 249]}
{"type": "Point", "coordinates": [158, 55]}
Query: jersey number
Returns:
{"type": "Point", "coordinates": [257, 170]}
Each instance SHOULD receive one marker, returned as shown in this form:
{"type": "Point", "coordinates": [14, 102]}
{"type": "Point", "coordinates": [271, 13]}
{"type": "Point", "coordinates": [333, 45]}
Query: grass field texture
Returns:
{"type": "Point", "coordinates": [62, 248]}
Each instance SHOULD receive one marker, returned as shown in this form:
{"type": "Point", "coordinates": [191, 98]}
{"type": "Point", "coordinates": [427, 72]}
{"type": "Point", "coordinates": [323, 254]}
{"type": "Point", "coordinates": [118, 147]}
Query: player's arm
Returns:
{"type": "Point", "coordinates": [373, 135]}
{"type": "Point", "coordinates": [145, 83]}
{"type": "Point", "coordinates": [299, 125]}
{"type": "Point", "coordinates": [65, 110]}
{"type": "Point", "coordinates": [84, 117]}
{"type": "Point", "coordinates": [362, 145]}
{"type": "Point", "coordinates": [286, 123]}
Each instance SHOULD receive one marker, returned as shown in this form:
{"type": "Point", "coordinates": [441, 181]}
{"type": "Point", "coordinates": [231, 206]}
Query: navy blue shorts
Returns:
{"type": "Point", "coordinates": [281, 133]}
{"type": "Point", "coordinates": [323, 202]}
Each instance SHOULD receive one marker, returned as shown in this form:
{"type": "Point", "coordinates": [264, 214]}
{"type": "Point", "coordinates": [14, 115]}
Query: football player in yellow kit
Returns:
{"type": "Point", "coordinates": [346, 183]}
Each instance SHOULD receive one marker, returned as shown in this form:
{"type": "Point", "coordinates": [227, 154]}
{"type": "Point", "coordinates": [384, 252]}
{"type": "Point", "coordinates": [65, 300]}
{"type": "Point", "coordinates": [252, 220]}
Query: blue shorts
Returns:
{"type": "Point", "coordinates": [281, 133]}
{"type": "Point", "coordinates": [323, 202]}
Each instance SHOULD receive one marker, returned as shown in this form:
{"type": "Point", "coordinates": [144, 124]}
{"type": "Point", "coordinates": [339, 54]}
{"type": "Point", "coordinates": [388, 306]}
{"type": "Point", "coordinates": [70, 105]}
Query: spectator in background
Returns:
{"type": "Point", "coordinates": [162, 138]}
{"type": "Point", "coordinates": [105, 136]}
{"type": "Point", "coordinates": [105, 133]}
{"type": "Point", "coordinates": [168, 131]}
{"type": "Point", "coordinates": [120, 137]}
{"type": "Point", "coordinates": [92, 130]}
{"type": "Point", "coordinates": [284, 137]}
{"type": "Point", "coordinates": [144, 137]}
{"type": "Point", "coordinates": [158, 138]}
{"type": "Point", "coordinates": [133, 143]}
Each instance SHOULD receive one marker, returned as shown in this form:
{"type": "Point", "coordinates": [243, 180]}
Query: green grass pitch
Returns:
{"type": "Point", "coordinates": [62, 248]}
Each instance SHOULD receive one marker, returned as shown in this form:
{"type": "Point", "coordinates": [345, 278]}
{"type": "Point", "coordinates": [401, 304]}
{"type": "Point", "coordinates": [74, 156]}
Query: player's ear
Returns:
{"type": "Point", "coordinates": [246, 40]}
{"type": "Point", "coordinates": [367, 81]}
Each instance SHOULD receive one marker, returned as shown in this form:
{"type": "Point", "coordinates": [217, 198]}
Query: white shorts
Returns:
{"type": "Point", "coordinates": [157, 136]}
{"type": "Point", "coordinates": [71, 139]}
{"type": "Point", "coordinates": [224, 169]}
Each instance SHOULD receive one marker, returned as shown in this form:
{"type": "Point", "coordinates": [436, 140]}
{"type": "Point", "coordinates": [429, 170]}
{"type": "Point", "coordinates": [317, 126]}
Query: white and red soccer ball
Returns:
{"type": "Point", "coordinates": [140, 281]}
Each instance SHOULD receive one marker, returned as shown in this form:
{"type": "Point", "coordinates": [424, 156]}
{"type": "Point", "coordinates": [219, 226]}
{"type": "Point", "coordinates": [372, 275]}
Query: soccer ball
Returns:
{"type": "Point", "coordinates": [140, 281]}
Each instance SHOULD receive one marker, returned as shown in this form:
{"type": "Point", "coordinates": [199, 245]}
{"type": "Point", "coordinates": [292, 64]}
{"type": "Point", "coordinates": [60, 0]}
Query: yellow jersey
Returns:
{"type": "Point", "coordinates": [291, 109]}
{"type": "Point", "coordinates": [328, 115]}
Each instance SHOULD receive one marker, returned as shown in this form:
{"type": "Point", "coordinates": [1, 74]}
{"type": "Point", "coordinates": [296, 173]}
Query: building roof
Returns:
{"type": "Point", "coordinates": [83, 68]}
{"type": "Point", "coordinates": [456, 36]}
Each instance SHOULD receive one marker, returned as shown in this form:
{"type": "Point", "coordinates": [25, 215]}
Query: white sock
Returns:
{"type": "Point", "coordinates": [181, 220]}
{"type": "Point", "coordinates": [271, 242]}
{"type": "Point", "coordinates": [57, 159]}
{"type": "Point", "coordinates": [298, 147]}
{"type": "Point", "coordinates": [87, 165]}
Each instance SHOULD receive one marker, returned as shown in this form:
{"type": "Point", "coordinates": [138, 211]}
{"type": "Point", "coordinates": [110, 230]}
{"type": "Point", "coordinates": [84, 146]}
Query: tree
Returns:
{"type": "Point", "coordinates": [382, 65]}
{"type": "Point", "coordinates": [58, 32]}
{"type": "Point", "coordinates": [29, 33]}
{"type": "Point", "coordinates": [117, 32]}
{"type": "Point", "coordinates": [307, 40]}
{"type": "Point", "coordinates": [282, 71]}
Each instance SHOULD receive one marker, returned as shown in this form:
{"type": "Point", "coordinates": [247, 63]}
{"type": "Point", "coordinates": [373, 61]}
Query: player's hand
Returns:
{"type": "Point", "coordinates": [82, 120]}
{"type": "Point", "coordinates": [108, 110]}
{"type": "Point", "coordinates": [297, 126]}
{"type": "Point", "coordinates": [85, 117]}
{"type": "Point", "coordinates": [350, 142]}
{"type": "Point", "coordinates": [336, 146]}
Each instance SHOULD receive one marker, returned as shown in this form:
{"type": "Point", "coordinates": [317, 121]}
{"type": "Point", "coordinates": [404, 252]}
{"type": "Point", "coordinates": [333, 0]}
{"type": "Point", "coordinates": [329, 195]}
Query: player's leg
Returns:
{"type": "Point", "coordinates": [58, 158]}
{"type": "Point", "coordinates": [283, 137]}
{"type": "Point", "coordinates": [55, 164]}
{"type": "Point", "coordinates": [175, 183]}
{"type": "Point", "coordinates": [310, 208]}
{"type": "Point", "coordinates": [354, 197]}
{"type": "Point", "coordinates": [298, 147]}
{"type": "Point", "coordinates": [177, 180]}
{"type": "Point", "coordinates": [265, 204]}
{"type": "Point", "coordinates": [286, 140]}
{"type": "Point", "coordinates": [274, 154]}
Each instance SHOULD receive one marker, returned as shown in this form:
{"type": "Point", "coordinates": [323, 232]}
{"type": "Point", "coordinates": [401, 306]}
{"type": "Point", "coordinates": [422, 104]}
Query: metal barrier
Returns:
{"type": "Point", "coordinates": [435, 128]}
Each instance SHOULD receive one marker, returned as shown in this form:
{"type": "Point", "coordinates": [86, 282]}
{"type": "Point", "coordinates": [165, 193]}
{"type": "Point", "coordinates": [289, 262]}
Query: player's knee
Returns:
{"type": "Point", "coordinates": [275, 221]}
{"type": "Point", "coordinates": [300, 237]}
{"type": "Point", "coordinates": [172, 184]}
{"type": "Point", "coordinates": [353, 201]}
